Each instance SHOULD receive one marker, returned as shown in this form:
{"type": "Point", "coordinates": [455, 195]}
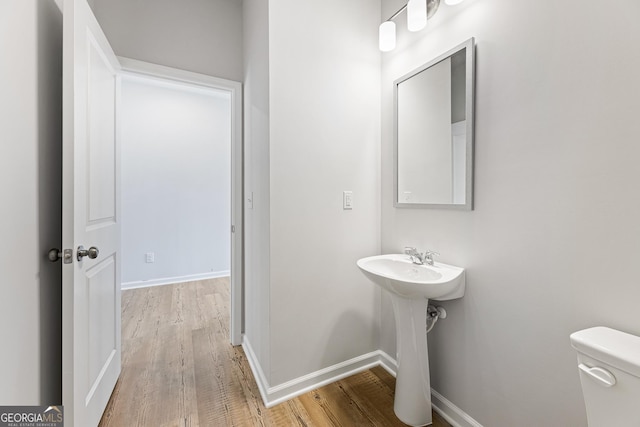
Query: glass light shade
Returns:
{"type": "Point", "coordinates": [387, 36]}
{"type": "Point", "coordinates": [416, 15]}
{"type": "Point", "coordinates": [453, 2]}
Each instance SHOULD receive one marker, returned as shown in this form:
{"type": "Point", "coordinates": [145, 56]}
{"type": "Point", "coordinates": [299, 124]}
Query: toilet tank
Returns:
{"type": "Point", "coordinates": [609, 367]}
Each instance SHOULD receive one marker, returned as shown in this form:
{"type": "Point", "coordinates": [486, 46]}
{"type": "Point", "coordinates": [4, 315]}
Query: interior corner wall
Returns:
{"type": "Point", "coordinates": [324, 82]}
{"type": "Point", "coordinates": [256, 180]}
{"type": "Point", "coordinates": [31, 214]}
{"type": "Point", "coordinates": [553, 242]}
{"type": "Point", "coordinates": [203, 36]}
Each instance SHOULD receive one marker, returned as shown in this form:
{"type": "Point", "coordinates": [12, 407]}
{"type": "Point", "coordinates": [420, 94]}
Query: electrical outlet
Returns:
{"type": "Point", "coordinates": [347, 200]}
{"type": "Point", "coordinates": [150, 257]}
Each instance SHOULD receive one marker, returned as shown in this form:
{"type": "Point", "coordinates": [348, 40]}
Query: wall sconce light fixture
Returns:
{"type": "Point", "coordinates": [418, 12]}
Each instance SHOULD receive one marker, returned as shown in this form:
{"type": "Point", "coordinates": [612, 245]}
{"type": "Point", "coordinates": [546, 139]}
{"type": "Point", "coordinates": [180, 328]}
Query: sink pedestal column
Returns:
{"type": "Point", "coordinates": [412, 403]}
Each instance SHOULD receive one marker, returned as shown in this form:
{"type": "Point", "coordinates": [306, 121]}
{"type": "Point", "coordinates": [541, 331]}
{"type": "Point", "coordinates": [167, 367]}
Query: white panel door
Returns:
{"type": "Point", "coordinates": [91, 286]}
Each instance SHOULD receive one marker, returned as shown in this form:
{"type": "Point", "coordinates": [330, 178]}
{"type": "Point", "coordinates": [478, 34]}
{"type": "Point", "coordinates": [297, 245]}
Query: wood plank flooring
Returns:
{"type": "Point", "coordinates": [179, 369]}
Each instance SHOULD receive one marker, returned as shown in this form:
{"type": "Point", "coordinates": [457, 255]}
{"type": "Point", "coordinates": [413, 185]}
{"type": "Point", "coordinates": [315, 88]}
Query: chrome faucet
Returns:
{"type": "Point", "coordinates": [418, 258]}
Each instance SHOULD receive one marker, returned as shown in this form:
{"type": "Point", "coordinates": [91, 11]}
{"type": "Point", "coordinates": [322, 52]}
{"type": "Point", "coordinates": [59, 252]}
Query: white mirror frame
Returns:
{"type": "Point", "coordinates": [469, 45]}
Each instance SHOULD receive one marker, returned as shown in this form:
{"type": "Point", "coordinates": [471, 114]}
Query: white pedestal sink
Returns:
{"type": "Point", "coordinates": [411, 286]}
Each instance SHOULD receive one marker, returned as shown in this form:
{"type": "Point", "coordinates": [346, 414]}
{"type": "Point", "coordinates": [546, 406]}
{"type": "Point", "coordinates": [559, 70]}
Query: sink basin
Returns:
{"type": "Point", "coordinates": [411, 286]}
{"type": "Point", "coordinates": [397, 274]}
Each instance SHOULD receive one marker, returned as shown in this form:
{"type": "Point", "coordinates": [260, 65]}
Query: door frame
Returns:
{"type": "Point", "coordinates": [234, 88]}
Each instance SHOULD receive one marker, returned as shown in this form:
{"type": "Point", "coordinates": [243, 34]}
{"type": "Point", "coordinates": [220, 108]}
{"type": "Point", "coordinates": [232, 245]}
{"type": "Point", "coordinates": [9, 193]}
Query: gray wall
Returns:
{"type": "Point", "coordinates": [312, 131]}
{"type": "Point", "coordinates": [553, 243]}
{"type": "Point", "coordinates": [204, 36]}
{"type": "Point", "coordinates": [30, 218]}
{"type": "Point", "coordinates": [324, 85]}
{"type": "Point", "coordinates": [176, 181]}
{"type": "Point", "coordinates": [256, 178]}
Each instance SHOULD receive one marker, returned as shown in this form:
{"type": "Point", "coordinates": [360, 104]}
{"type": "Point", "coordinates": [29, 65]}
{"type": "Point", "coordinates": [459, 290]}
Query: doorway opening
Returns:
{"type": "Point", "coordinates": [181, 180]}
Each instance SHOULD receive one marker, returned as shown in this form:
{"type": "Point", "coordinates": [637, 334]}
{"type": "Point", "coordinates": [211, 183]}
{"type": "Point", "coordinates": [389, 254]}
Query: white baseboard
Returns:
{"type": "Point", "coordinates": [256, 368]}
{"type": "Point", "coordinates": [306, 383]}
{"type": "Point", "coordinates": [388, 363]}
{"type": "Point", "coordinates": [172, 280]}
{"type": "Point", "coordinates": [450, 412]}
{"type": "Point", "coordinates": [272, 396]}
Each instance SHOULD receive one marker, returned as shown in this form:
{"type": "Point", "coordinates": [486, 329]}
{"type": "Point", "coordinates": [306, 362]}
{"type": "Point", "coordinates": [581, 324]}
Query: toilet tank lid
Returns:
{"type": "Point", "coordinates": [612, 347]}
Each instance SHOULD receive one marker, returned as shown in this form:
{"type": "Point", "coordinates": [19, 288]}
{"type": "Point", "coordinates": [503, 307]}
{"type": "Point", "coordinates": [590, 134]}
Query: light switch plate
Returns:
{"type": "Point", "coordinates": [150, 257]}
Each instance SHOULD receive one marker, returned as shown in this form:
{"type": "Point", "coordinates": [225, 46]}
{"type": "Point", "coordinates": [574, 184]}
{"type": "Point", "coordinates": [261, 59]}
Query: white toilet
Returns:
{"type": "Point", "coordinates": [609, 366]}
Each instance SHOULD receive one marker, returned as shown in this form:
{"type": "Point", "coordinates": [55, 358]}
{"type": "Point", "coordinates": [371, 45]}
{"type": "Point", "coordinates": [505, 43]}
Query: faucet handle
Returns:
{"type": "Point", "coordinates": [428, 257]}
{"type": "Point", "coordinates": [413, 253]}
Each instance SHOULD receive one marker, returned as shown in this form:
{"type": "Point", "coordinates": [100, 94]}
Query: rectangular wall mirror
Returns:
{"type": "Point", "coordinates": [433, 132]}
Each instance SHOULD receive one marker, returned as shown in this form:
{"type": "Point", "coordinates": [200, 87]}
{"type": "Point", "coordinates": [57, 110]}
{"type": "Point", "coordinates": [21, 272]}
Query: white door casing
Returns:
{"type": "Point", "coordinates": [155, 71]}
{"type": "Point", "coordinates": [237, 215]}
{"type": "Point", "coordinates": [91, 217]}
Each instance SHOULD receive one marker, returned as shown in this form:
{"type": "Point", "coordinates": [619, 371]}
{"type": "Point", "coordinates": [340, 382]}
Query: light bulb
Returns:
{"type": "Point", "coordinates": [453, 2]}
{"type": "Point", "coordinates": [416, 15]}
{"type": "Point", "coordinates": [387, 34]}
